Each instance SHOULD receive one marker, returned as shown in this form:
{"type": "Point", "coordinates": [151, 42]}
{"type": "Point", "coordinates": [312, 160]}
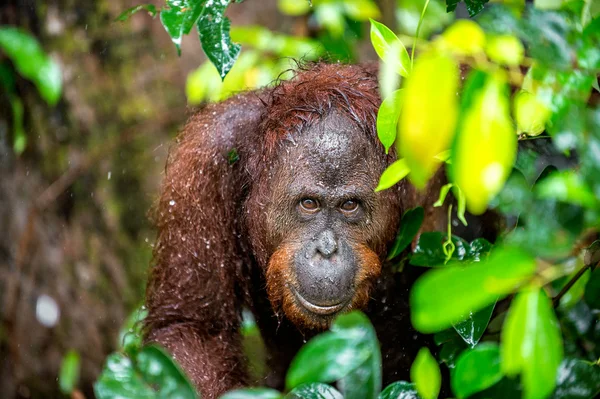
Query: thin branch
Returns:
{"type": "Point", "coordinates": [567, 287]}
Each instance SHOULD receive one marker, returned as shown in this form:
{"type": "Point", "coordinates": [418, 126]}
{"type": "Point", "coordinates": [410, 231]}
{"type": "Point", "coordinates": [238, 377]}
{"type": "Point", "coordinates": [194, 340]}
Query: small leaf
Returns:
{"type": "Point", "coordinates": [531, 114]}
{"type": "Point", "coordinates": [567, 186]}
{"type": "Point", "coordinates": [332, 355]}
{"type": "Point", "coordinates": [252, 393]}
{"type": "Point", "coordinates": [69, 372]}
{"type": "Point", "coordinates": [451, 350]}
{"type": "Point", "coordinates": [443, 193]}
{"type": "Point", "coordinates": [476, 369]}
{"type": "Point", "coordinates": [426, 375]}
{"type": "Point", "coordinates": [361, 10]}
{"type": "Point", "coordinates": [294, 7]}
{"type": "Point", "coordinates": [31, 62]}
{"type": "Point", "coordinates": [399, 390]}
{"type": "Point", "coordinates": [130, 335]}
{"type": "Point", "coordinates": [464, 37]}
{"type": "Point", "coordinates": [393, 174]}
{"type": "Point", "coordinates": [314, 391]}
{"type": "Point", "coordinates": [471, 330]}
{"type": "Point", "coordinates": [385, 42]}
{"type": "Point", "coordinates": [486, 145]}
{"type": "Point", "coordinates": [532, 343]}
{"type": "Point", "coordinates": [505, 50]}
{"type": "Point", "coordinates": [387, 119]}
{"type": "Point", "coordinates": [149, 8]}
{"type": "Point", "coordinates": [577, 379]}
{"type": "Point", "coordinates": [592, 290]}
{"type": "Point", "coordinates": [409, 227]}
{"type": "Point", "coordinates": [431, 88]}
{"type": "Point", "coordinates": [429, 250]}
{"type": "Point", "coordinates": [448, 295]}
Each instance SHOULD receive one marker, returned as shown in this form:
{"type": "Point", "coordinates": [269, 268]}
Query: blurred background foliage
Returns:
{"type": "Point", "coordinates": [92, 93]}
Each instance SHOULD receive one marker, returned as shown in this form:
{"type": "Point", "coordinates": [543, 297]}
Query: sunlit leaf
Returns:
{"type": "Point", "coordinates": [393, 174]}
{"type": "Point", "coordinates": [505, 49]}
{"type": "Point", "coordinates": [531, 114]}
{"type": "Point", "coordinates": [387, 119]}
{"type": "Point", "coordinates": [361, 10]}
{"type": "Point", "coordinates": [281, 45]}
{"type": "Point", "coordinates": [476, 369]}
{"type": "Point", "coordinates": [532, 343]}
{"type": "Point", "coordinates": [431, 88]}
{"type": "Point", "coordinates": [471, 330]}
{"type": "Point", "coordinates": [409, 227]}
{"type": "Point", "coordinates": [31, 62]}
{"type": "Point", "coordinates": [464, 37]}
{"type": "Point", "coordinates": [252, 393]}
{"type": "Point", "coordinates": [294, 7]}
{"type": "Point", "coordinates": [399, 390]}
{"type": "Point", "coordinates": [446, 296]}
{"type": "Point", "coordinates": [314, 390]}
{"type": "Point", "coordinates": [567, 186]}
{"type": "Point", "coordinates": [426, 375]}
{"type": "Point", "coordinates": [385, 42]}
{"type": "Point", "coordinates": [486, 144]}
{"type": "Point", "coordinates": [69, 372]}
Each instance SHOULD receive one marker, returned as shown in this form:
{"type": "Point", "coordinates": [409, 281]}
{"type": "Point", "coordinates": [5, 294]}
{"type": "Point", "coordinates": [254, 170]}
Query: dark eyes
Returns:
{"type": "Point", "coordinates": [310, 205]}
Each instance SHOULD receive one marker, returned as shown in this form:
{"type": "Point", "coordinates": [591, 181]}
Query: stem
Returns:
{"type": "Point", "coordinates": [412, 51]}
{"type": "Point", "coordinates": [567, 287]}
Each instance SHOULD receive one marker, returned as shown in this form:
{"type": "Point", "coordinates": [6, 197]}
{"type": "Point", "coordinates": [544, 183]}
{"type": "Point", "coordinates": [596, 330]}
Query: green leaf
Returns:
{"type": "Point", "coordinates": [431, 88]}
{"type": "Point", "coordinates": [443, 193]}
{"type": "Point", "coordinates": [387, 119]}
{"type": "Point", "coordinates": [592, 290]}
{"type": "Point", "coordinates": [149, 8]}
{"type": "Point", "coordinates": [409, 227]}
{"type": "Point", "coordinates": [213, 28]}
{"type": "Point", "coordinates": [577, 379]}
{"type": "Point", "coordinates": [69, 372]}
{"type": "Point", "coordinates": [426, 375]}
{"type": "Point", "coordinates": [314, 391]}
{"type": "Point", "coordinates": [464, 37]}
{"type": "Point", "coordinates": [130, 335]}
{"type": "Point", "coordinates": [389, 48]}
{"type": "Point", "coordinates": [361, 10]}
{"type": "Point", "coordinates": [153, 374]}
{"type": "Point", "coordinates": [567, 186]}
{"type": "Point", "coordinates": [471, 330]}
{"type": "Point", "coordinates": [393, 174]}
{"type": "Point", "coordinates": [446, 296]}
{"type": "Point", "coordinates": [474, 7]}
{"type": "Point", "coordinates": [531, 114]}
{"type": "Point", "coordinates": [399, 390]}
{"type": "Point", "coordinates": [505, 50]}
{"type": "Point", "coordinates": [532, 343]}
{"type": "Point", "coordinates": [294, 7]}
{"type": "Point", "coordinates": [252, 393]}
{"type": "Point", "coordinates": [486, 144]}
{"type": "Point", "coordinates": [332, 355]}
{"type": "Point", "coordinates": [476, 369]}
{"type": "Point", "coordinates": [588, 55]}
{"type": "Point", "coordinates": [31, 62]}
{"type": "Point", "coordinates": [429, 250]}
{"type": "Point", "coordinates": [451, 350]}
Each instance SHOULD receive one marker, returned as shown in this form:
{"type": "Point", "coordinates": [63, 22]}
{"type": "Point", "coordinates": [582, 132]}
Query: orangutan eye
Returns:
{"type": "Point", "coordinates": [309, 205]}
{"type": "Point", "coordinates": [349, 206]}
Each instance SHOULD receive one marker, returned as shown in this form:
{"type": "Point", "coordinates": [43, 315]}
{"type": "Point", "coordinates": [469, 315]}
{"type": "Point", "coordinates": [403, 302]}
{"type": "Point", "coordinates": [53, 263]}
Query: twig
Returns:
{"type": "Point", "coordinates": [567, 287]}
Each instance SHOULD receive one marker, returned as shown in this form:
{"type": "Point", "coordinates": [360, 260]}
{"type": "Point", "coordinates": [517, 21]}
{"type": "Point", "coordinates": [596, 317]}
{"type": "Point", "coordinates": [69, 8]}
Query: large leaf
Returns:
{"type": "Point", "coordinates": [152, 375]}
{"type": "Point", "coordinates": [532, 343]}
{"type": "Point", "coordinates": [330, 356]}
{"type": "Point", "coordinates": [471, 330]}
{"type": "Point", "coordinates": [430, 91]}
{"type": "Point", "coordinates": [486, 144]}
{"type": "Point", "coordinates": [389, 48]}
{"type": "Point", "coordinates": [409, 227]}
{"type": "Point", "coordinates": [31, 62]}
{"type": "Point", "coordinates": [476, 369]}
{"type": "Point", "coordinates": [446, 296]}
{"type": "Point", "coordinates": [426, 375]}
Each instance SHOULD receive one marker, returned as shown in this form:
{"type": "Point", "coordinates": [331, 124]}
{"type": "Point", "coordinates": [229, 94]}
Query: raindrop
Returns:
{"type": "Point", "coordinates": [172, 202]}
{"type": "Point", "coordinates": [47, 311]}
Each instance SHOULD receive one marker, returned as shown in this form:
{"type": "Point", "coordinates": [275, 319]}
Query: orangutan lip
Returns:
{"type": "Point", "coordinates": [317, 309]}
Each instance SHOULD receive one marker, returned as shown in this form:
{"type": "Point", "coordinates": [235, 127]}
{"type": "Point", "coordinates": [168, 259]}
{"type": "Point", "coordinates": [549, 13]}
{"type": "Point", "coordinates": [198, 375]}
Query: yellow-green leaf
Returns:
{"type": "Point", "coordinates": [428, 119]}
{"type": "Point", "coordinates": [294, 7]}
{"type": "Point", "coordinates": [532, 343]}
{"type": "Point", "coordinates": [426, 375]}
{"type": "Point", "coordinates": [486, 144]}
{"type": "Point", "coordinates": [389, 48]}
{"type": "Point", "coordinates": [387, 119]}
{"type": "Point", "coordinates": [505, 50]}
{"type": "Point", "coordinates": [464, 37]}
{"type": "Point", "coordinates": [393, 174]}
{"type": "Point", "coordinates": [531, 114]}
